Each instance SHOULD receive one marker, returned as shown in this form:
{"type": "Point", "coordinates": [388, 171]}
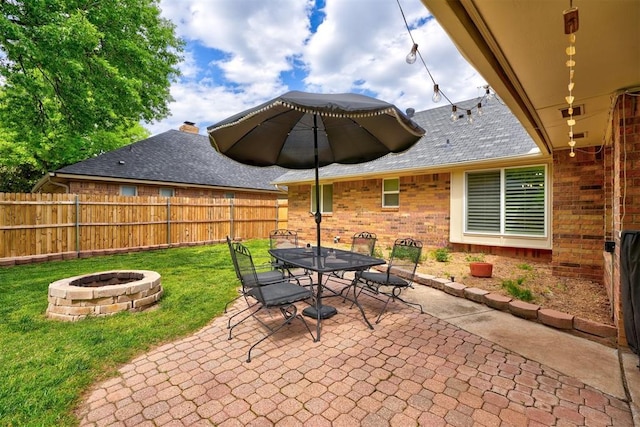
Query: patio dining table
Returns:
{"type": "Point", "coordinates": [330, 260]}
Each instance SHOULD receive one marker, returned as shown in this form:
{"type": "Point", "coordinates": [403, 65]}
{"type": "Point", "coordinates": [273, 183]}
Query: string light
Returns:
{"type": "Point", "coordinates": [438, 94]}
{"type": "Point", "coordinates": [570, 27]}
{"type": "Point", "coordinates": [411, 56]}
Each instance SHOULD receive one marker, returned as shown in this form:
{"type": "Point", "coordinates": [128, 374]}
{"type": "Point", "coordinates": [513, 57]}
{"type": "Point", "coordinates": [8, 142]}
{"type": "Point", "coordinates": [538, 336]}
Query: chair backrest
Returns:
{"type": "Point", "coordinates": [246, 269]}
{"type": "Point", "coordinates": [233, 258]}
{"type": "Point", "coordinates": [405, 256]}
{"type": "Point", "coordinates": [363, 243]}
{"type": "Point", "coordinates": [283, 238]}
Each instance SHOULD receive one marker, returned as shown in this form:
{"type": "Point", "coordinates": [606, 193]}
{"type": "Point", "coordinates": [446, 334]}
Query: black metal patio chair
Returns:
{"type": "Point", "coordinates": [282, 239]}
{"type": "Point", "coordinates": [401, 268]}
{"type": "Point", "coordinates": [265, 276]}
{"type": "Point", "coordinates": [364, 243]}
{"type": "Point", "coordinates": [282, 294]}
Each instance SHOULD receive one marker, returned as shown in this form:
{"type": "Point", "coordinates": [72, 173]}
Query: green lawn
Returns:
{"type": "Point", "coordinates": [46, 365]}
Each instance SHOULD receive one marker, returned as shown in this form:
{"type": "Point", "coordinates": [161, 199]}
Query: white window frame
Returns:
{"type": "Point", "coordinates": [509, 189]}
{"type": "Point", "coordinates": [124, 190]}
{"type": "Point", "coordinates": [323, 196]}
{"type": "Point", "coordinates": [390, 193]}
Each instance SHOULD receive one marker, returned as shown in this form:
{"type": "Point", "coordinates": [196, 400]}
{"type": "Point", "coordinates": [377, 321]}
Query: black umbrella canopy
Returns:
{"type": "Point", "coordinates": [351, 128]}
{"type": "Point", "coordinates": [300, 130]}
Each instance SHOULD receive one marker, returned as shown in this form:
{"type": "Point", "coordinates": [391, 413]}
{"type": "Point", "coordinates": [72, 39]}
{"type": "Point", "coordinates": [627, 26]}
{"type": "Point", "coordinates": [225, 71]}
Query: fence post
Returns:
{"type": "Point", "coordinates": [168, 221]}
{"type": "Point", "coordinates": [231, 217]}
{"type": "Point", "coordinates": [77, 224]}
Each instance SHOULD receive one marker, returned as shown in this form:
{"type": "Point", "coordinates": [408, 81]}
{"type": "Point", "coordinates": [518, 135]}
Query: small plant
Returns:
{"type": "Point", "coordinates": [516, 289]}
{"type": "Point", "coordinates": [442, 255]}
{"type": "Point", "coordinates": [525, 267]}
{"type": "Point", "coordinates": [475, 258]}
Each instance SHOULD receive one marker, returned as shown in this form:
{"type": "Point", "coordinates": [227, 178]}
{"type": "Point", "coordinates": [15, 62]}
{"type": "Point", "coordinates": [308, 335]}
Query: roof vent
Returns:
{"type": "Point", "coordinates": [578, 110]}
{"type": "Point", "coordinates": [580, 135]}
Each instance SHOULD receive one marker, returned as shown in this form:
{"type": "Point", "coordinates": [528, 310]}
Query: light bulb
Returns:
{"type": "Point", "coordinates": [572, 154]}
{"type": "Point", "coordinates": [411, 56]}
{"type": "Point", "coordinates": [469, 117]}
{"type": "Point", "coordinates": [569, 99]}
{"type": "Point", "coordinates": [488, 93]}
{"type": "Point", "coordinates": [572, 143]}
{"type": "Point", "coordinates": [454, 113]}
{"type": "Point", "coordinates": [569, 63]}
{"type": "Point", "coordinates": [479, 108]}
{"type": "Point", "coordinates": [571, 50]}
{"type": "Point", "coordinates": [571, 122]}
{"type": "Point", "coordinates": [436, 94]}
{"type": "Point", "coordinates": [570, 86]}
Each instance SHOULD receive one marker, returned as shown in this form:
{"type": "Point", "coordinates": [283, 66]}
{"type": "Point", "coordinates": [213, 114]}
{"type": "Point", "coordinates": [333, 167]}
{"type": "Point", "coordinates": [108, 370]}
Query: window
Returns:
{"type": "Point", "coordinates": [229, 195]}
{"type": "Point", "coordinates": [167, 192]}
{"type": "Point", "coordinates": [128, 190]}
{"type": "Point", "coordinates": [326, 198]}
{"type": "Point", "coordinates": [391, 193]}
{"type": "Point", "coordinates": [507, 201]}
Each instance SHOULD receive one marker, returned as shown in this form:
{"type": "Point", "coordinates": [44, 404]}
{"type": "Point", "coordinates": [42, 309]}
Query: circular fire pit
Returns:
{"type": "Point", "coordinates": [103, 294]}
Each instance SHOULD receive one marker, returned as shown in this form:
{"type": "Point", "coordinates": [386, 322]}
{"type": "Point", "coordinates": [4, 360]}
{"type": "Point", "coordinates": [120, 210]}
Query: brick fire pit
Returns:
{"type": "Point", "coordinates": [103, 294]}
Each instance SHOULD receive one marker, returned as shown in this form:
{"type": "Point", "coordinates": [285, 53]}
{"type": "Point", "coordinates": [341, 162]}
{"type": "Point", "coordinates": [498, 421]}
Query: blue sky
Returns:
{"type": "Point", "coordinates": [241, 53]}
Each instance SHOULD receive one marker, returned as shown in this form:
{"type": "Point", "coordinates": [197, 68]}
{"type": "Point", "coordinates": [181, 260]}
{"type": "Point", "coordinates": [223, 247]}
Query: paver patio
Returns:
{"type": "Point", "coordinates": [413, 369]}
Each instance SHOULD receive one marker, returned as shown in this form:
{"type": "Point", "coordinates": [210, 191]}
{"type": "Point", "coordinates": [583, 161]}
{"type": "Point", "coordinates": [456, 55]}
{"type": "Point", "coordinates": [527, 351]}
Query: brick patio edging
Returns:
{"type": "Point", "coordinates": [604, 334]}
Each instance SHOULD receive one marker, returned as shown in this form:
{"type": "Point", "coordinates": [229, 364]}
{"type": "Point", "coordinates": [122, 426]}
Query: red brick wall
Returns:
{"type": "Point", "coordinates": [626, 186]}
{"type": "Point", "coordinates": [357, 206]}
{"type": "Point", "coordinates": [578, 214]}
{"type": "Point", "coordinates": [99, 187]}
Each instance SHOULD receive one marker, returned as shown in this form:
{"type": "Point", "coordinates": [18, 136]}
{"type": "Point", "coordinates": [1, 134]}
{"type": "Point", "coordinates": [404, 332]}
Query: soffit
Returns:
{"type": "Point", "coordinates": [518, 46]}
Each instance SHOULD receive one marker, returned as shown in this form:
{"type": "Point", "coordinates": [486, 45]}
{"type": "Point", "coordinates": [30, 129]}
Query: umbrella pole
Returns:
{"type": "Point", "coordinates": [318, 218]}
{"type": "Point", "coordinates": [317, 166]}
{"type": "Point", "coordinates": [321, 311]}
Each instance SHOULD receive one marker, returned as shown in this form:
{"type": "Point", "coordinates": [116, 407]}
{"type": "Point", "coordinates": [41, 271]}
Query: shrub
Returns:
{"type": "Point", "coordinates": [475, 258]}
{"type": "Point", "coordinates": [442, 254]}
{"type": "Point", "coordinates": [516, 290]}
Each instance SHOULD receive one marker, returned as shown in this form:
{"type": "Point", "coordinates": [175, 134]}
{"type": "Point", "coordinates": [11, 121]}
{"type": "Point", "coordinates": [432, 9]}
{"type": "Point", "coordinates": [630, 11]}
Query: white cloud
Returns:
{"type": "Point", "coordinates": [360, 46]}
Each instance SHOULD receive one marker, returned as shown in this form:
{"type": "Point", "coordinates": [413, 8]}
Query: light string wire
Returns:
{"type": "Point", "coordinates": [455, 108]}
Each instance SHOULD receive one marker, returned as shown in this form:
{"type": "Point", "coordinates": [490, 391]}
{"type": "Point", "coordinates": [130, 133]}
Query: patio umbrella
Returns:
{"type": "Point", "coordinates": [300, 130]}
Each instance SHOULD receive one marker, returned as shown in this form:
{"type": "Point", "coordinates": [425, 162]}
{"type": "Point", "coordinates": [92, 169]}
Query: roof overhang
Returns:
{"type": "Point", "coordinates": [518, 46]}
{"type": "Point", "coordinates": [349, 175]}
{"type": "Point", "coordinates": [62, 179]}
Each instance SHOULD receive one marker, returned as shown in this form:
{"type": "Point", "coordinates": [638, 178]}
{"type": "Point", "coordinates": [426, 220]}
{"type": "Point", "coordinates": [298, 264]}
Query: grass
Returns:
{"type": "Point", "coordinates": [47, 365]}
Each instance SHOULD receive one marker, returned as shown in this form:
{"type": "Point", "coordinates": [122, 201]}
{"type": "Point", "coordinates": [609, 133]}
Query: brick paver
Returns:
{"type": "Point", "coordinates": [412, 369]}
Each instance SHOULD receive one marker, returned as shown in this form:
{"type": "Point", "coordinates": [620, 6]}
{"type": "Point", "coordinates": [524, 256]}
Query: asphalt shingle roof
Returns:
{"type": "Point", "coordinates": [176, 157]}
{"type": "Point", "coordinates": [495, 134]}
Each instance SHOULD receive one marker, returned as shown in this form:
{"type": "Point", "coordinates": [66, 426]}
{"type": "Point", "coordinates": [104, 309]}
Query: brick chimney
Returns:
{"type": "Point", "coordinates": [189, 127]}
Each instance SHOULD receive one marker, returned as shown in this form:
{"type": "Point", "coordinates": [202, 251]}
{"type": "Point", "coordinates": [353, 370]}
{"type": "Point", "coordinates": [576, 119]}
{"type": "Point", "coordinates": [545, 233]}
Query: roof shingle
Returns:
{"type": "Point", "coordinates": [176, 157]}
{"type": "Point", "coordinates": [496, 134]}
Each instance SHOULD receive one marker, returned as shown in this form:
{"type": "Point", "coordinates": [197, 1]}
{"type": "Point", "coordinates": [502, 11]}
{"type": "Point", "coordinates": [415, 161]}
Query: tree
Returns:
{"type": "Point", "coordinates": [78, 76]}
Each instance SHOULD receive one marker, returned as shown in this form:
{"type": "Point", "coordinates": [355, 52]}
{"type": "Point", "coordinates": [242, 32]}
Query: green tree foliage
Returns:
{"type": "Point", "coordinates": [76, 79]}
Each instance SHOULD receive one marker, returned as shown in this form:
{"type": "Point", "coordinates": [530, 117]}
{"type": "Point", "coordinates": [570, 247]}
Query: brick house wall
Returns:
{"type": "Point", "coordinates": [357, 206]}
{"type": "Point", "coordinates": [625, 160]}
{"type": "Point", "coordinates": [578, 214]}
{"type": "Point", "coordinates": [111, 188]}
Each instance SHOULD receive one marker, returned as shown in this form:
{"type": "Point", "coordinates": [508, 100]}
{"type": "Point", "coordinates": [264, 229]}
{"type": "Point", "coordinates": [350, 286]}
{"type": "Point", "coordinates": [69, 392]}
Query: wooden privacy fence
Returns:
{"type": "Point", "coordinates": [39, 224]}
